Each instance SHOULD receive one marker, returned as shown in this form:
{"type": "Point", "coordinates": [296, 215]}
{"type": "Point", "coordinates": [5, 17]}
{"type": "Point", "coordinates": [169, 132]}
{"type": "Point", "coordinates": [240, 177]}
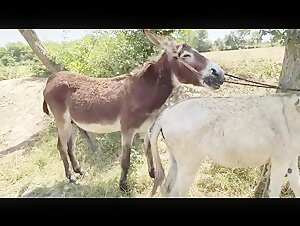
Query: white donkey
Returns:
{"type": "Point", "coordinates": [234, 132]}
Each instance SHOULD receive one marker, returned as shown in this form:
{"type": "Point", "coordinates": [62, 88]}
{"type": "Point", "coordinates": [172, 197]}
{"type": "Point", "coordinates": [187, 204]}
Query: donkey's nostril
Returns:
{"type": "Point", "coordinates": [219, 74]}
{"type": "Point", "coordinates": [214, 72]}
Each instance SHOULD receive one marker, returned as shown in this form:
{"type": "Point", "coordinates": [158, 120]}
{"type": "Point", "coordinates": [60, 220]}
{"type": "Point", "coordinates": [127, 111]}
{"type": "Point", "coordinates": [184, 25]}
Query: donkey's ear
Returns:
{"type": "Point", "coordinates": [159, 41]}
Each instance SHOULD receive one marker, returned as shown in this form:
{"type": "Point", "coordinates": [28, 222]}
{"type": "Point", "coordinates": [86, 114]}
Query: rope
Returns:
{"type": "Point", "coordinates": [245, 84]}
{"type": "Point", "coordinates": [259, 84]}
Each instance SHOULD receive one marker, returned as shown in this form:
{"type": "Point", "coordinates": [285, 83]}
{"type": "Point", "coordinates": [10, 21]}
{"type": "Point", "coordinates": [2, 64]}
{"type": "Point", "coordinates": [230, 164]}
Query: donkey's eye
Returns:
{"type": "Point", "coordinates": [186, 55]}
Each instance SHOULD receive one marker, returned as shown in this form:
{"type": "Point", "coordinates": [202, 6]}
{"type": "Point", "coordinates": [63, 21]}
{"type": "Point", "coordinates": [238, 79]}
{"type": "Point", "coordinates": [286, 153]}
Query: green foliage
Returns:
{"type": "Point", "coordinates": [38, 69]}
{"type": "Point", "coordinates": [219, 44]}
{"type": "Point", "coordinates": [106, 53]}
{"type": "Point", "coordinates": [278, 36]}
{"type": "Point", "coordinates": [195, 38]}
{"type": "Point", "coordinates": [237, 39]}
{"type": "Point", "coordinates": [203, 44]}
{"type": "Point", "coordinates": [19, 54]}
{"type": "Point", "coordinates": [16, 53]}
{"type": "Point", "coordinates": [7, 60]}
{"type": "Point", "coordinates": [255, 38]}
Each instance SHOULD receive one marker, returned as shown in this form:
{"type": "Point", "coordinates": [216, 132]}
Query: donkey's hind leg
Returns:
{"type": "Point", "coordinates": [127, 138]}
{"type": "Point", "coordinates": [186, 172]}
{"type": "Point", "coordinates": [71, 148]}
{"type": "Point", "coordinates": [148, 153]}
{"type": "Point", "coordinates": [279, 168]}
{"type": "Point", "coordinates": [294, 178]}
{"type": "Point", "coordinates": [171, 177]}
{"type": "Point", "coordinates": [64, 129]}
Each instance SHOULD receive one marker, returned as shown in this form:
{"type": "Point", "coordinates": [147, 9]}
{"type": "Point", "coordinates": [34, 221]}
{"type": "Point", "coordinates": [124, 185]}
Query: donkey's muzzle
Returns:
{"type": "Point", "coordinates": [214, 81]}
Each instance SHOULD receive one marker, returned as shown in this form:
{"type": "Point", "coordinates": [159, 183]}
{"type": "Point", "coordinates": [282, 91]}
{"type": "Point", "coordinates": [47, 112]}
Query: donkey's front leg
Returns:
{"type": "Point", "coordinates": [127, 138]}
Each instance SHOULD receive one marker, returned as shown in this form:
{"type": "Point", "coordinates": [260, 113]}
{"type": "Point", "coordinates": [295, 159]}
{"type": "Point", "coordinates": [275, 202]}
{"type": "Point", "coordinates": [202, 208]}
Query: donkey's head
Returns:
{"type": "Point", "coordinates": [187, 64]}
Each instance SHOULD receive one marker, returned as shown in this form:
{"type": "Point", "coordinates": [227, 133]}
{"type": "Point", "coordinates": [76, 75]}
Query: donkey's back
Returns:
{"type": "Point", "coordinates": [87, 101]}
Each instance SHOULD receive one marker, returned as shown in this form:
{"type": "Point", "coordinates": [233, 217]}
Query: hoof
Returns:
{"type": "Point", "coordinates": [84, 173]}
{"type": "Point", "coordinates": [123, 186]}
{"type": "Point", "coordinates": [152, 173]}
{"type": "Point", "coordinates": [80, 171]}
{"type": "Point", "coordinates": [73, 180]}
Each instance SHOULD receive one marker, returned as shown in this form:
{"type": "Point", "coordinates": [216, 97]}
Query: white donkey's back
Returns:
{"type": "Point", "coordinates": [234, 132]}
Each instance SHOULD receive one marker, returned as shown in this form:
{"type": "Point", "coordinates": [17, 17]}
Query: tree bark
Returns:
{"type": "Point", "coordinates": [290, 74]}
{"type": "Point", "coordinates": [37, 47]}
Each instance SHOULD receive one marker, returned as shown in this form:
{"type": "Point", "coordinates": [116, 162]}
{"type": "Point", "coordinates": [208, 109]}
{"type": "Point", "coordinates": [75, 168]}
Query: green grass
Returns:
{"type": "Point", "coordinates": [39, 172]}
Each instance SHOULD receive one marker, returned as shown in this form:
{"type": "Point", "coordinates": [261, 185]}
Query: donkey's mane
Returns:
{"type": "Point", "coordinates": [138, 71]}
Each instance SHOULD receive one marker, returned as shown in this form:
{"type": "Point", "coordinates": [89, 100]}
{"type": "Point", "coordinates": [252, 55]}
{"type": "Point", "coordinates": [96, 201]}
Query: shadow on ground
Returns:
{"type": "Point", "coordinates": [27, 144]}
{"type": "Point", "coordinates": [64, 189]}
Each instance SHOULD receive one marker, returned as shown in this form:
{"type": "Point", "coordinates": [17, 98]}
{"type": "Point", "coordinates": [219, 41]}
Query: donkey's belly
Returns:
{"type": "Point", "coordinates": [100, 127]}
{"type": "Point", "coordinates": [238, 159]}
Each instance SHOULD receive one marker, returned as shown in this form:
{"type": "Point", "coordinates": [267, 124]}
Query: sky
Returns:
{"type": "Point", "coordinates": [58, 35]}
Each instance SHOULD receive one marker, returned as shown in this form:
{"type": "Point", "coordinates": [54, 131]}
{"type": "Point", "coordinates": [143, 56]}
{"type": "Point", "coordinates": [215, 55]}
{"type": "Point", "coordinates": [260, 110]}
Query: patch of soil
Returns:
{"type": "Point", "coordinates": [21, 113]}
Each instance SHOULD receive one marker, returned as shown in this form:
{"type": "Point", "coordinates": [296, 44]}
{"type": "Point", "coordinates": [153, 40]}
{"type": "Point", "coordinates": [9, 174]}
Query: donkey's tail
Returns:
{"type": "Point", "coordinates": [45, 108]}
{"type": "Point", "coordinates": [159, 171]}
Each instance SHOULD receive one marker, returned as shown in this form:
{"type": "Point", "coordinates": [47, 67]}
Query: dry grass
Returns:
{"type": "Point", "coordinates": [39, 171]}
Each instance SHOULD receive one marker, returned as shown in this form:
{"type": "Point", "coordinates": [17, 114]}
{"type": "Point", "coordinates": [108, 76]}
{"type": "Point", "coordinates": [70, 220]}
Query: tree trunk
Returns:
{"type": "Point", "coordinates": [290, 74]}
{"type": "Point", "coordinates": [37, 47]}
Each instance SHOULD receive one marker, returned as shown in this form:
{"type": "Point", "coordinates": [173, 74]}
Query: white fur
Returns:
{"type": "Point", "coordinates": [101, 128]}
{"type": "Point", "coordinates": [234, 132]}
{"type": "Point", "coordinates": [208, 72]}
{"type": "Point", "coordinates": [115, 126]}
{"type": "Point", "coordinates": [67, 119]}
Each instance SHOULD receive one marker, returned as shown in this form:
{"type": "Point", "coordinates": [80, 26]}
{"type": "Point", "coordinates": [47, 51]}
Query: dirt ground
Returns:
{"type": "Point", "coordinates": [21, 113]}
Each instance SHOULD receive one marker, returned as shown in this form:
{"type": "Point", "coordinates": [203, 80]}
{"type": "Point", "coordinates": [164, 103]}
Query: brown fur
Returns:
{"type": "Point", "coordinates": [45, 108]}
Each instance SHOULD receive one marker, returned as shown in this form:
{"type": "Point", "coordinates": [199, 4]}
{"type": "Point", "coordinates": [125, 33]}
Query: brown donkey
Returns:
{"type": "Point", "coordinates": [128, 103]}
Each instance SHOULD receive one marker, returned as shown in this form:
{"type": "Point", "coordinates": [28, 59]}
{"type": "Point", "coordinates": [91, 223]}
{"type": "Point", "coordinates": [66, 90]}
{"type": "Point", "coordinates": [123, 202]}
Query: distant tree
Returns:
{"type": "Point", "coordinates": [255, 39]}
{"type": "Point", "coordinates": [198, 39]}
{"type": "Point", "coordinates": [231, 41]}
{"type": "Point", "coordinates": [20, 52]}
{"type": "Point", "coordinates": [203, 44]}
{"type": "Point", "coordinates": [243, 37]}
{"type": "Point", "coordinates": [185, 35]}
{"type": "Point", "coordinates": [219, 43]}
{"type": "Point", "coordinates": [237, 39]}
